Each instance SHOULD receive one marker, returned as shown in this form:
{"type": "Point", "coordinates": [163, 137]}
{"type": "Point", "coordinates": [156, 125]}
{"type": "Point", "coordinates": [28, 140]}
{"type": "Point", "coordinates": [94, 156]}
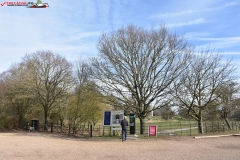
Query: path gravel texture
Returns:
{"type": "Point", "coordinates": [45, 146]}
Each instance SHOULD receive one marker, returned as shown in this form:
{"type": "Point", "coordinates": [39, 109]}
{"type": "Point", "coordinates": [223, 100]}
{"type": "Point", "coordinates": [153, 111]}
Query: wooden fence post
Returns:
{"type": "Point", "coordinates": [181, 128]}
{"type": "Point", "coordinates": [51, 127]}
{"type": "Point", "coordinates": [90, 130]}
{"type": "Point", "coordinates": [190, 129]}
{"type": "Point", "coordinates": [69, 129]}
{"type": "Point", "coordinates": [212, 126]}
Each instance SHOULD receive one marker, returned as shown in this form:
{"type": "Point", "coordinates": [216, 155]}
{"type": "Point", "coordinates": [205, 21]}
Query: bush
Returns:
{"type": "Point", "coordinates": [2, 122]}
{"type": "Point", "coordinates": [11, 122]}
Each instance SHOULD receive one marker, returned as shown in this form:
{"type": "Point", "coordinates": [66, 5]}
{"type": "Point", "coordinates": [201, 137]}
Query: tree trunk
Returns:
{"type": "Point", "coordinates": [228, 124]}
{"type": "Point", "coordinates": [45, 120]}
{"type": "Point", "coordinates": [142, 125]}
{"type": "Point", "coordinates": [74, 127]}
{"type": "Point", "coordinates": [21, 122]}
{"type": "Point", "coordinates": [200, 127]}
{"type": "Point", "coordinates": [61, 123]}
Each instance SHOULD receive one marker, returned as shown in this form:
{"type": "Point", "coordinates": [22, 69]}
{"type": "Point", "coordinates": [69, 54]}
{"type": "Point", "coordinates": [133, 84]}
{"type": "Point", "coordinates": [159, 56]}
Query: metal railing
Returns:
{"type": "Point", "coordinates": [163, 128]}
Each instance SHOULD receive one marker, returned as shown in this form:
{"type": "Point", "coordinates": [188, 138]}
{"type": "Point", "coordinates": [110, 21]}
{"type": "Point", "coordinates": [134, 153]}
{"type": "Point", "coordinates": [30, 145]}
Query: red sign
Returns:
{"type": "Point", "coordinates": [152, 131]}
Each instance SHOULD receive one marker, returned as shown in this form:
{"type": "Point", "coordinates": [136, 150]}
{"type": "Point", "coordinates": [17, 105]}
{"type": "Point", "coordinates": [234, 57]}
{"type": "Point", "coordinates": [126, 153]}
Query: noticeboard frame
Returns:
{"type": "Point", "coordinates": [113, 118]}
{"type": "Point", "coordinates": [152, 131]}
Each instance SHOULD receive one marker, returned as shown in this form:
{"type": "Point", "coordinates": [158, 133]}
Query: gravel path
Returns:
{"type": "Point", "coordinates": [37, 146]}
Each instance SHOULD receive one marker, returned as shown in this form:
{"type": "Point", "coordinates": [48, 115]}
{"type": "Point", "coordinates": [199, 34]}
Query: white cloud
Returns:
{"type": "Point", "coordinates": [192, 35]}
{"type": "Point", "coordinates": [189, 12]}
{"type": "Point", "coordinates": [55, 28]}
{"type": "Point", "coordinates": [175, 14]}
{"type": "Point", "coordinates": [72, 28]}
{"type": "Point", "coordinates": [224, 42]}
{"type": "Point", "coordinates": [232, 53]}
{"type": "Point", "coordinates": [193, 22]}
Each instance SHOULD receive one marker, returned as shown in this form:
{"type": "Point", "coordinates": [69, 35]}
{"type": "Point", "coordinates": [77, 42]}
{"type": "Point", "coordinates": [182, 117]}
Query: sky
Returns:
{"type": "Point", "coordinates": [72, 28]}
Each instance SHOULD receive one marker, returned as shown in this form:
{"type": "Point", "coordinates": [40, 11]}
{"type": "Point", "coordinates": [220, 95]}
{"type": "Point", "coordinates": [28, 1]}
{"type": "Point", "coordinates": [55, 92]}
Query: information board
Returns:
{"type": "Point", "coordinates": [113, 118]}
{"type": "Point", "coordinates": [152, 131]}
{"type": "Point", "coordinates": [117, 117]}
{"type": "Point", "coordinates": [107, 118]}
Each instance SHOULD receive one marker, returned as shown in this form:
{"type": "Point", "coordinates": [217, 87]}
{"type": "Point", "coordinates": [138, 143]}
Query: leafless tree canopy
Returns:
{"type": "Point", "coordinates": [197, 86]}
{"type": "Point", "coordinates": [50, 75]}
{"type": "Point", "coordinates": [43, 86]}
{"type": "Point", "coordinates": [137, 67]}
{"type": "Point", "coordinates": [227, 98]}
{"type": "Point", "coordinates": [84, 105]}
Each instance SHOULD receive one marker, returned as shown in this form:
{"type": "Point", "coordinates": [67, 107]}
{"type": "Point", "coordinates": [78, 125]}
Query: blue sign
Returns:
{"type": "Point", "coordinates": [107, 118]}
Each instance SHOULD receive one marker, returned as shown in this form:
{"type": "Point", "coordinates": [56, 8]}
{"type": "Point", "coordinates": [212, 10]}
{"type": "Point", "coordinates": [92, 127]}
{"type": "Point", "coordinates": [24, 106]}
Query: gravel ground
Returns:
{"type": "Point", "coordinates": [35, 145]}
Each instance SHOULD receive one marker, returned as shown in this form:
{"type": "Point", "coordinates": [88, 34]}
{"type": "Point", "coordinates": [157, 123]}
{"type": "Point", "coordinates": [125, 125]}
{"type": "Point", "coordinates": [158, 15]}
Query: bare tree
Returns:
{"type": "Point", "coordinates": [2, 92]}
{"type": "Point", "coordinates": [236, 114]}
{"type": "Point", "coordinates": [84, 102]}
{"type": "Point", "coordinates": [51, 77]}
{"type": "Point", "coordinates": [61, 109]}
{"type": "Point", "coordinates": [227, 98]}
{"type": "Point", "coordinates": [16, 97]}
{"type": "Point", "coordinates": [136, 67]}
{"type": "Point", "coordinates": [196, 88]}
{"type": "Point", "coordinates": [77, 104]}
{"type": "Point", "coordinates": [165, 112]}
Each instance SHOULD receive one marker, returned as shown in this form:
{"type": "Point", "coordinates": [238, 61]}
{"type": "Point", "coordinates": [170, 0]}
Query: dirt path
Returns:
{"type": "Point", "coordinates": [37, 146]}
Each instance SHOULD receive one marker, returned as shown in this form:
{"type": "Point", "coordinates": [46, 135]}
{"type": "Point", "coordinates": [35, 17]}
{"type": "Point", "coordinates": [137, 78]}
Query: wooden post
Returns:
{"type": "Point", "coordinates": [223, 127]}
{"type": "Point", "coordinates": [212, 126]}
{"type": "Point", "coordinates": [190, 129]}
{"type": "Point", "coordinates": [181, 128]}
{"type": "Point", "coordinates": [51, 127]}
{"type": "Point", "coordinates": [90, 130]}
{"type": "Point", "coordinates": [69, 129]}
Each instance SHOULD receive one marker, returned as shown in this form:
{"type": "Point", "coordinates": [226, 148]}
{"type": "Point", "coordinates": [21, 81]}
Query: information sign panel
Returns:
{"type": "Point", "coordinates": [117, 117]}
{"type": "Point", "coordinates": [107, 118]}
{"type": "Point", "coordinates": [152, 131]}
{"type": "Point", "coordinates": [113, 118]}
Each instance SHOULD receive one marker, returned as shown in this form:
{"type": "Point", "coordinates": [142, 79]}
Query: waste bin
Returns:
{"type": "Point", "coordinates": [35, 124]}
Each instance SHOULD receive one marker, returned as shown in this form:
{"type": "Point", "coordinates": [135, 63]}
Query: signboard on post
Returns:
{"type": "Point", "coordinates": [107, 118]}
{"type": "Point", "coordinates": [117, 117]}
{"type": "Point", "coordinates": [152, 131]}
{"type": "Point", "coordinates": [113, 118]}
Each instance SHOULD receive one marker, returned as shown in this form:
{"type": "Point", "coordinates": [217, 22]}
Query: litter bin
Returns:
{"type": "Point", "coordinates": [35, 124]}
